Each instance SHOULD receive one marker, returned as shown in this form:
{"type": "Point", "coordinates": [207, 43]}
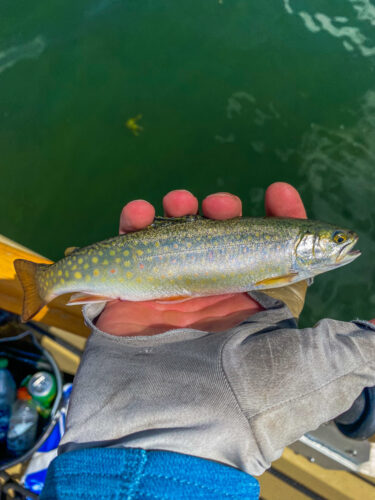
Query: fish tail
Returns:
{"type": "Point", "coordinates": [27, 274]}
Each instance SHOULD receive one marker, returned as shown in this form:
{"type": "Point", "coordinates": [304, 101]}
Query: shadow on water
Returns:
{"type": "Point", "coordinates": [339, 170]}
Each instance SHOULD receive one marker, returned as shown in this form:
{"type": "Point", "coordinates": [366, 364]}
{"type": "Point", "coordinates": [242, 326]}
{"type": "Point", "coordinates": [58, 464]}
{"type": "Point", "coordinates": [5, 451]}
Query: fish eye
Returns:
{"type": "Point", "coordinates": [339, 237]}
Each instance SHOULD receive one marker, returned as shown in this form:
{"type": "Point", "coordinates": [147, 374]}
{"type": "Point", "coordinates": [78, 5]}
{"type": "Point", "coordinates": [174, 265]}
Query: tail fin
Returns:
{"type": "Point", "coordinates": [32, 301]}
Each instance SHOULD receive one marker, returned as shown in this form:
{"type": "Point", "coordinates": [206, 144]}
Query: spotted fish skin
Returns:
{"type": "Point", "coordinates": [189, 257]}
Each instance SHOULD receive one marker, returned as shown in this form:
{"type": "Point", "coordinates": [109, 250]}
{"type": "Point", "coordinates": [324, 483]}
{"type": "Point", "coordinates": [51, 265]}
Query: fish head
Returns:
{"type": "Point", "coordinates": [322, 248]}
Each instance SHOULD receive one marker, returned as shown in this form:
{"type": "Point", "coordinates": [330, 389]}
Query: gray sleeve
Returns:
{"type": "Point", "coordinates": [289, 381]}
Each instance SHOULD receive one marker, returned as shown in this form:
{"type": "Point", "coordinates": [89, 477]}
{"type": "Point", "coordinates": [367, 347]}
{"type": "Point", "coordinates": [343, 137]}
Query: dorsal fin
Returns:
{"type": "Point", "coordinates": [160, 221]}
{"type": "Point", "coordinates": [70, 250]}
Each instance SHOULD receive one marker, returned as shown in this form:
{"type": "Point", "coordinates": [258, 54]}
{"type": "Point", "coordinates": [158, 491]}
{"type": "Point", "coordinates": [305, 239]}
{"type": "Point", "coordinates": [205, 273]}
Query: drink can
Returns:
{"type": "Point", "coordinates": [42, 388]}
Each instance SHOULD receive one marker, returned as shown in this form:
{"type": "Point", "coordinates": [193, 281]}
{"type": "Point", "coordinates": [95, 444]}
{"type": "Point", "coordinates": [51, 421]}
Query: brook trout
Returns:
{"type": "Point", "coordinates": [174, 259]}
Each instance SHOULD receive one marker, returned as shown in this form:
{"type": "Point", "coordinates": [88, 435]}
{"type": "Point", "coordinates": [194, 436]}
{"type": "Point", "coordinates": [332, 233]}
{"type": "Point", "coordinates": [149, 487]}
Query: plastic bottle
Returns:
{"type": "Point", "coordinates": [23, 424]}
{"type": "Point", "coordinates": [7, 397]}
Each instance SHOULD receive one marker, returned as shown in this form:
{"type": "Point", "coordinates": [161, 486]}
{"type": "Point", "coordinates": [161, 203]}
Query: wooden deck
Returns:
{"type": "Point", "coordinates": [56, 313]}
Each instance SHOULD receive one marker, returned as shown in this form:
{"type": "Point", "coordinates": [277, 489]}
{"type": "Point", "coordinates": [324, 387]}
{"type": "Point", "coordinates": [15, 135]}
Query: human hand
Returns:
{"type": "Point", "coordinates": [213, 396]}
{"type": "Point", "coordinates": [214, 313]}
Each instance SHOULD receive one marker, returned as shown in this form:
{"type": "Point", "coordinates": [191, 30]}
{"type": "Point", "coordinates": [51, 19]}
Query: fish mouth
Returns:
{"type": "Point", "coordinates": [346, 254]}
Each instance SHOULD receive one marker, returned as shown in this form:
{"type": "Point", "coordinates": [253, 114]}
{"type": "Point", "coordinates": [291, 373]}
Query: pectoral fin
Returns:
{"type": "Point", "coordinates": [174, 300]}
{"type": "Point", "coordinates": [277, 280]}
{"type": "Point", "coordinates": [85, 298]}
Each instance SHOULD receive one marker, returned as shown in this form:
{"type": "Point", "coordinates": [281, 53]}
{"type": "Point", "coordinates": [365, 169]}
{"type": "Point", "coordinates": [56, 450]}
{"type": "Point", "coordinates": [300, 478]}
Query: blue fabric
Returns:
{"type": "Point", "coordinates": [133, 474]}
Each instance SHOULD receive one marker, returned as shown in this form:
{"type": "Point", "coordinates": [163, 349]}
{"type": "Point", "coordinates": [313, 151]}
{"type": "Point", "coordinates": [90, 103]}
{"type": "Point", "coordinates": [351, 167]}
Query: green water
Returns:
{"type": "Point", "coordinates": [234, 95]}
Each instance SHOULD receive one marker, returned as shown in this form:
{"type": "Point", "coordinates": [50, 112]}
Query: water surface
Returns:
{"type": "Point", "coordinates": [233, 95]}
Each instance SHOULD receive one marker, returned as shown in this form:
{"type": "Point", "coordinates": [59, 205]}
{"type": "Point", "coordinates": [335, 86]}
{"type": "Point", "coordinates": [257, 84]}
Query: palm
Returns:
{"type": "Point", "coordinates": [215, 313]}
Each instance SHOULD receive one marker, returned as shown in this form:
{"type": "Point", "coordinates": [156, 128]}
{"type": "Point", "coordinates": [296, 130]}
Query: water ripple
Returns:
{"type": "Point", "coordinates": [337, 26]}
{"type": "Point", "coordinates": [339, 186]}
{"type": "Point", "coordinates": [29, 50]}
{"type": "Point", "coordinates": [365, 10]}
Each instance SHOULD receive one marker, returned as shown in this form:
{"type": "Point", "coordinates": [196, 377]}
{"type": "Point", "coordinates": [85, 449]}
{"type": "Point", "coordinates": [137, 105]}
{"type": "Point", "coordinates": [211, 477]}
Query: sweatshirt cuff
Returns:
{"type": "Point", "coordinates": [91, 312]}
{"type": "Point", "coordinates": [135, 473]}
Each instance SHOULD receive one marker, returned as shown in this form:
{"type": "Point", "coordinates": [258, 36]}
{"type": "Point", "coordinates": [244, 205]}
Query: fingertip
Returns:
{"type": "Point", "coordinates": [180, 202]}
{"type": "Point", "coordinates": [136, 215]}
{"type": "Point", "coordinates": [283, 200]}
{"type": "Point", "coordinates": [222, 206]}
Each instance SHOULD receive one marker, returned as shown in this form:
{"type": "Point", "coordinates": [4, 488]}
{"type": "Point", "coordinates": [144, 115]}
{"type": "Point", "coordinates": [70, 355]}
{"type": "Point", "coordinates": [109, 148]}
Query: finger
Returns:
{"type": "Point", "coordinates": [222, 206]}
{"type": "Point", "coordinates": [136, 215]}
{"type": "Point", "coordinates": [283, 200]}
{"type": "Point", "coordinates": [180, 202]}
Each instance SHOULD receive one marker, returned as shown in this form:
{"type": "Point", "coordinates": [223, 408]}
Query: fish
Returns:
{"type": "Point", "coordinates": [193, 256]}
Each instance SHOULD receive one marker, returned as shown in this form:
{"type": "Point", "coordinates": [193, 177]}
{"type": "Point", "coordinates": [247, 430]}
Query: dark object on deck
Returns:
{"type": "Point", "coordinates": [359, 421]}
{"type": "Point", "coordinates": [10, 489]}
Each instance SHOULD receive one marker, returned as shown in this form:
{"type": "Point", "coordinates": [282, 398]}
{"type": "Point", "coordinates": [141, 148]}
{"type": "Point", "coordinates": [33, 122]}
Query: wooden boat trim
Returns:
{"type": "Point", "coordinates": [11, 295]}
